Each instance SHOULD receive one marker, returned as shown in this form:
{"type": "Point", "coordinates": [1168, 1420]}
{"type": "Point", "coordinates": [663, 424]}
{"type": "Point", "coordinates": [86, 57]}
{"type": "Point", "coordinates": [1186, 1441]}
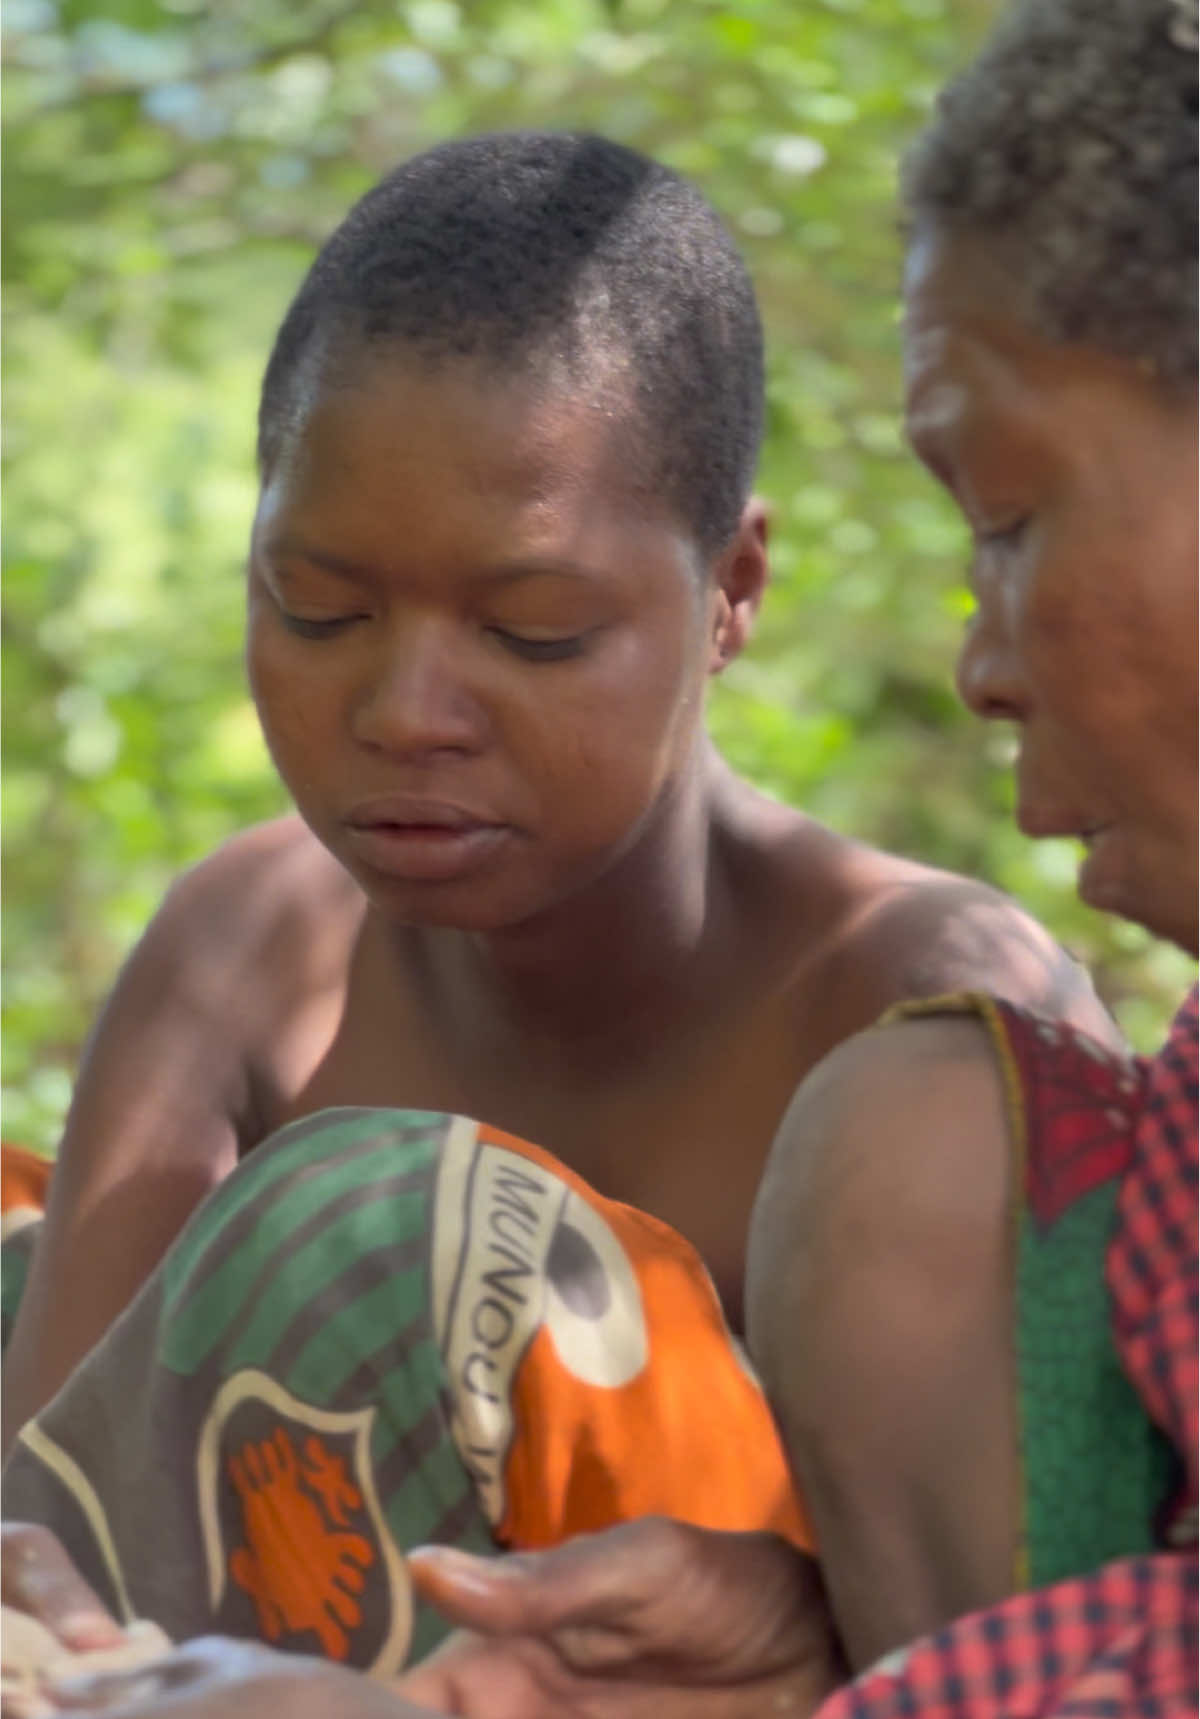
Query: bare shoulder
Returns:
{"type": "Point", "coordinates": [243, 943]}
{"type": "Point", "coordinates": [270, 908]}
{"type": "Point", "coordinates": [169, 1088]}
{"type": "Point", "coordinates": [272, 872]}
{"type": "Point", "coordinates": [879, 1251]}
{"type": "Point", "coordinates": [890, 1114]}
{"type": "Point", "coordinates": [910, 930]}
{"type": "Point", "coordinates": [891, 1171]}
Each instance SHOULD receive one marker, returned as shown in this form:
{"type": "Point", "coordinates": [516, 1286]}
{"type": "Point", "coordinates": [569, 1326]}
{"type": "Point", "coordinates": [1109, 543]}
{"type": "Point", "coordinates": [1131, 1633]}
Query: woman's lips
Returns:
{"type": "Point", "coordinates": [421, 842]}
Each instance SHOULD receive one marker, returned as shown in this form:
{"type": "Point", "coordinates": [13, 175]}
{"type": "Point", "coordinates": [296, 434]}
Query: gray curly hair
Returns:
{"type": "Point", "coordinates": [1071, 141]}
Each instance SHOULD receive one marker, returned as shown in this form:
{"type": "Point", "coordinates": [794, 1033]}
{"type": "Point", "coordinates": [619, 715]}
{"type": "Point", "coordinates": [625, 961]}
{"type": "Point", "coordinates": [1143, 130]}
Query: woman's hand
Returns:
{"type": "Point", "coordinates": [651, 1620]}
{"type": "Point", "coordinates": [218, 1678]}
{"type": "Point", "coordinates": [38, 1578]}
{"type": "Point", "coordinates": [52, 1625]}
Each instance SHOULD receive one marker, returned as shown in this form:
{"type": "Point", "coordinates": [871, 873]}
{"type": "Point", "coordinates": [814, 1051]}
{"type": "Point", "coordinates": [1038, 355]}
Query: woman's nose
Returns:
{"type": "Point", "coordinates": [416, 699]}
{"type": "Point", "coordinates": [988, 673]}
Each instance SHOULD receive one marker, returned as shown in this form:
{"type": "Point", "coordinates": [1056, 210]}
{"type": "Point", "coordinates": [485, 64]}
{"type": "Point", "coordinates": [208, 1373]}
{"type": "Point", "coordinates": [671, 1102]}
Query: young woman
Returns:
{"type": "Point", "coordinates": [505, 538]}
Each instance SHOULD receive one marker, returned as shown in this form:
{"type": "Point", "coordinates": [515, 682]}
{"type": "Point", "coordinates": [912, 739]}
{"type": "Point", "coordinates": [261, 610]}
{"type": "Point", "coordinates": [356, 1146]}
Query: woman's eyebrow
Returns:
{"type": "Point", "coordinates": [513, 572]}
{"type": "Point", "coordinates": [294, 549]}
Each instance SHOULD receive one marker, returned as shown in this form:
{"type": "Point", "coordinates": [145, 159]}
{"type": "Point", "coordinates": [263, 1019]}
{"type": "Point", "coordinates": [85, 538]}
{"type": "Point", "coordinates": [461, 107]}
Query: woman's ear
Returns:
{"type": "Point", "coordinates": [740, 578]}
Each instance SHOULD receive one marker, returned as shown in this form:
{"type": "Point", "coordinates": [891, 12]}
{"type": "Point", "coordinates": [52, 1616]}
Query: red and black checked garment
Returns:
{"type": "Point", "coordinates": [1120, 1643]}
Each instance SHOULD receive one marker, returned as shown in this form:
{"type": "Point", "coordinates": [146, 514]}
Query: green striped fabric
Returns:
{"type": "Point", "coordinates": [263, 1433]}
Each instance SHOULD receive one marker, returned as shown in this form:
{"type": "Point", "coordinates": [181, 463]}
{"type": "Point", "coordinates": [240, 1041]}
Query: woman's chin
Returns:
{"type": "Point", "coordinates": [1145, 894]}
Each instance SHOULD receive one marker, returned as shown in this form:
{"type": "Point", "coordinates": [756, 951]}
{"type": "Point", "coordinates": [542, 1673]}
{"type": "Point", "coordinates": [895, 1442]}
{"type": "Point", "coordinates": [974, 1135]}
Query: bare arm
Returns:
{"type": "Point", "coordinates": [150, 1130]}
{"type": "Point", "coordinates": [878, 1303]}
{"type": "Point", "coordinates": [164, 1099]}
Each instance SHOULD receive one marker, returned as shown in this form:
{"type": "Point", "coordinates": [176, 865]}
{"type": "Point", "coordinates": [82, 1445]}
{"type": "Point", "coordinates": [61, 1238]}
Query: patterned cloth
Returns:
{"type": "Point", "coordinates": [1152, 1273]}
{"type": "Point", "coordinates": [1120, 1643]}
{"type": "Point", "coordinates": [386, 1328]}
{"type": "Point", "coordinates": [1095, 1469]}
{"type": "Point", "coordinates": [24, 1182]}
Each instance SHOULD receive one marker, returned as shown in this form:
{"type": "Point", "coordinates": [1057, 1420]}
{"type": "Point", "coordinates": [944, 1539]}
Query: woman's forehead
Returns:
{"type": "Point", "coordinates": [970, 344]}
{"type": "Point", "coordinates": [958, 283]}
{"type": "Point", "coordinates": [965, 295]}
{"type": "Point", "coordinates": [463, 466]}
{"type": "Point", "coordinates": [392, 422]}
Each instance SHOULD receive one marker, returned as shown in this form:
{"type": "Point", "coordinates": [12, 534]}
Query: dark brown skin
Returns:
{"type": "Point", "coordinates": [879, 1315]}
{"type": "Point", "coordinates": [879, 1302]}
{"type": "Point", "coordinates": [636, 962]}
{"type": "Point", "coordinates": [588, 1630]}
{"type": "Point", "coordinates": [1076, 472]}
{"type": "Point", "coordinates": [591, 1629]}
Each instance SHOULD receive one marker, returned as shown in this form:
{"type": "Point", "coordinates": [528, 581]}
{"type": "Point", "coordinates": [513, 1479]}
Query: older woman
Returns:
{"type": "Point", "coordinates": [1014, 1194]}
{"type": "Point", "coordinates": [973, 1412]}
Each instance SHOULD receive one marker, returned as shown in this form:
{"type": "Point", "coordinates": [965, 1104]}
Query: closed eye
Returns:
{"type": "Point", "coordinates": [305, 628]}
{"type": "Point", "coordinates": [1005, 537]}
{"type": "Point", "coordinates": [540, 650]}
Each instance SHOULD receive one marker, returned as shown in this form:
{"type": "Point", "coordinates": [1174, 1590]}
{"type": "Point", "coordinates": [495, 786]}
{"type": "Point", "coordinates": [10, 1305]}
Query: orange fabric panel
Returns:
{"type": "Point", "coordinates": [24, 1179]}
{"type": "Point", "coordinates": [689, 1434]}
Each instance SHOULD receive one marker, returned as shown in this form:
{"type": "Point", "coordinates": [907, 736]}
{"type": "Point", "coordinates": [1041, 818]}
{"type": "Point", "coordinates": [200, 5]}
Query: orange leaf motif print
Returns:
{"type": "Point", "coordinates": [300, 1565]}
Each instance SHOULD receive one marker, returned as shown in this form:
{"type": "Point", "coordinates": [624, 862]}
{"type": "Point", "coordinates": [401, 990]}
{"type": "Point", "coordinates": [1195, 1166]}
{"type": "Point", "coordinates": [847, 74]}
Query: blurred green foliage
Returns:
{"type": "Point", "coordinates": [170, 165]}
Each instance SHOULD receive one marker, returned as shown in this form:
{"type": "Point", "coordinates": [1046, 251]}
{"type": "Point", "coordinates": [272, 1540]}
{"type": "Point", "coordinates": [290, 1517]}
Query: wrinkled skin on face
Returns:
{"type": "Point", "coordinates": [478, 652]}
{"type": "Point", "coordinates": [1076, 472]}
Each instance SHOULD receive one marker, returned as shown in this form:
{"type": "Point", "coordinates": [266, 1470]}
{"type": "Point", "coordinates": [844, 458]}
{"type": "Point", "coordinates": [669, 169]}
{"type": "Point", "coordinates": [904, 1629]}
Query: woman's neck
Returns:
{"type": "Point", "coordinates": [632, 952]}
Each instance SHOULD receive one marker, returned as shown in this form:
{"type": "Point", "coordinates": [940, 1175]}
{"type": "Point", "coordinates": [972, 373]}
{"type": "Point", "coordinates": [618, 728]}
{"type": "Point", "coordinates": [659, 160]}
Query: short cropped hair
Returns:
{"type": "Point", "coordinates": [527, 249]}
{"type": "Point", "coordinates": [1071, 141]}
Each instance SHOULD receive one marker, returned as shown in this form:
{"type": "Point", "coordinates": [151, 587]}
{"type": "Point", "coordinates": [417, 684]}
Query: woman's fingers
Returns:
{"type": "Point", "coordinates": [37, 1577]}
{"type": "Point", "coordinates": [598, 1580]}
